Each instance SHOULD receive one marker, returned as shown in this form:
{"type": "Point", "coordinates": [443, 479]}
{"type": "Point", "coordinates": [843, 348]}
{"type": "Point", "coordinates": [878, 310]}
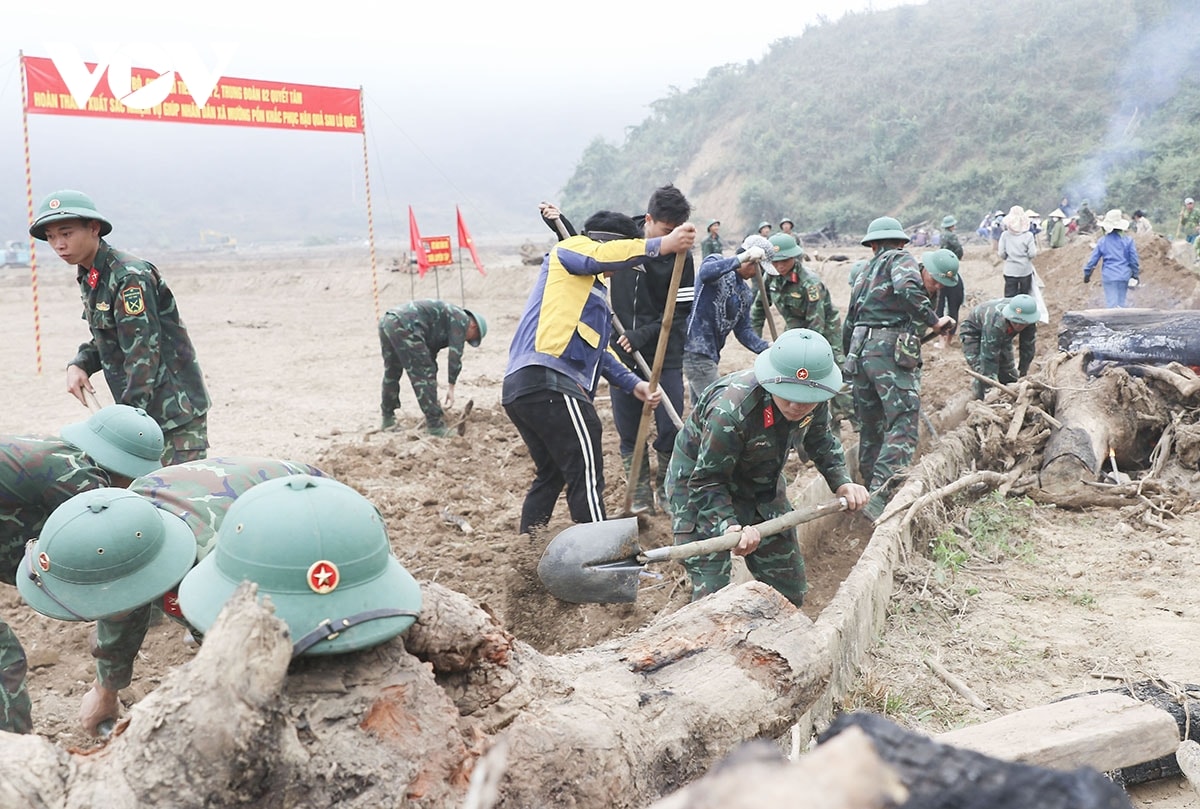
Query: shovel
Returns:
{"type": "Point", "coordinates": [601, 562]}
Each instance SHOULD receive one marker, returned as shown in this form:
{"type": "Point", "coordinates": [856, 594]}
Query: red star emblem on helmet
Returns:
{"type": "Point", "coordinates": [802, 373]}
{"type": "Point", "coordinates": [43, 562]}
{"type": "Point", "coordinates": [323, 577]}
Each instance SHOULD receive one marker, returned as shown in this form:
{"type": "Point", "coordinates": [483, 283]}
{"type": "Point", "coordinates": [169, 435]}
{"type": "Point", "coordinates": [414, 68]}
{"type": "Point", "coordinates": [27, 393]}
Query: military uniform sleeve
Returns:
{"type": "Point", "coordinates": [709, 484]}
{"type": "Point", "coordinates": [991, 339]}
{"type": "Point", "coordinates": [758, 313]}
{"type": "Point", "coordinates": [824, 447]}
{"type": "Point", "coordinates": [906, 281]}
{"type": "Point", "coordinates": [455, 342]}
{"type": "Point", "coordinates": [139, 335]}
{"type": "Point", "coordinates": [115, 645]}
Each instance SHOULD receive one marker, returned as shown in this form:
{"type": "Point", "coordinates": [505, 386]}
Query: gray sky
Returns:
{"type": "Point", "coordinates": [476, 104]}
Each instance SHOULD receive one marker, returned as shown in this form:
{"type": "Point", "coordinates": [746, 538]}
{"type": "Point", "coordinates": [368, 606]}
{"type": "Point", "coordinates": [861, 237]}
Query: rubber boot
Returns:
{"type": "Point", "coordinates": [660, 479]}
{"type": "Point", "coordinates": [643, 494]}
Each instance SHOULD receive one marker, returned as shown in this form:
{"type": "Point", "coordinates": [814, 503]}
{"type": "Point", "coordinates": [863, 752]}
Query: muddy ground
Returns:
{"type": "Point", "coordinates": [288, 345]}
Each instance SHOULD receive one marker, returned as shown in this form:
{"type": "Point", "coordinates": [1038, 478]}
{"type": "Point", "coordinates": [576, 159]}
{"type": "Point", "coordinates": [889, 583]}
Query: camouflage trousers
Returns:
{"type": "Point", "coordinates": [776, 562]}
{"type": "Point", "coordinates": [187, 442]}
{"type": "Point", "coordinates": [16, 710]}
{"type": "Point", "coordinates": [404, 350]}
{"type": "Point", "coordinates": [887, 399]}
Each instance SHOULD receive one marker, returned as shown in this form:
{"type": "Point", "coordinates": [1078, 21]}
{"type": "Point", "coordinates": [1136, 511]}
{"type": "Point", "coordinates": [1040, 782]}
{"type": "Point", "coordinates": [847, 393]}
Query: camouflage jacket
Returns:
{"type": "Point", "coordinates": [199, 493]}
{"type": "Point", "coordinates": [37, 475]}
{"type": "Point", "coordinates": [439, 325]}
{"type": "Point", "coordinates": [889, 293]}
{"type": "Point", "coordinates": [138, 339]}
{"type": "Point", "coordinates": [803, 302]}
{"type": "Point", "coordinates": [950, 242]}
{"type": "Point", "coordinates": [731, 452]}
{"type": "Point", "coordinates": [711, 245]}
{"type": "Point", "coordinates": [987, 341]}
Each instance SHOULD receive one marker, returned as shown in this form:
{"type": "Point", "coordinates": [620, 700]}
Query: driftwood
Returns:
{"type": "Point", "coordinates": [1132, 336]}
{"type": "Point", "coordinates": [1111, 412]}
{"type": "Point", "coordinates": [939, 776]}
{"type": "Point", "coordinates": [406, 723]}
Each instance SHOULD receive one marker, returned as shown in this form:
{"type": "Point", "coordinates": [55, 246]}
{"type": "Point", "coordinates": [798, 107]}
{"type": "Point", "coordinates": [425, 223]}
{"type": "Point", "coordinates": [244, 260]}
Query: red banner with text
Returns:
{"type": "Point", "coordinates": [143, 94]}
{"type": "Point", "coordinates": [438, 250]}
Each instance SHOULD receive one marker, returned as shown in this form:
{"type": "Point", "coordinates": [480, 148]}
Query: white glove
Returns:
{"type": "Point", "coordinates": [769, 269]}
{"type": "Point", "coordinates": [1133, 282]}
{"type": "Point", "coordinates": [753, 254]}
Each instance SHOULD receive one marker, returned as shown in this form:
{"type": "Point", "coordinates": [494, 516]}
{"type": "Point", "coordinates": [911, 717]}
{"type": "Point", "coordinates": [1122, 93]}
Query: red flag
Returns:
{"type": "Point", "coordinates": [414, 236]}
{"type": "Point", "coordinates": [464, 240]}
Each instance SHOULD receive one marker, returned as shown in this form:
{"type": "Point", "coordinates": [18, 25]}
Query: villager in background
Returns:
{"type": "Point", "coordinates": [1085, 218]}
{"type": "Point", "coordinates": [1118, 256]}
{"type": "Point", "coordinates": [722, 306]}
{"type": "Point", "coordinates": [138, 337]}
{"type": "Point", "coordinates": [116, 556]}
{"type": "Point", "coordinates": [950, 299]}
{"type": "Point", "coordinates": [1056, 229]}
{"type": "Point", "coordinates": [1141, 225]}
{"type": "Point", "coordinates": [1017, 247]}
{"type": "Point", "coordinates": [640, 300]}
{"type": "Point", "coordinates": [727, 468]}
{"type": "Point", "coordinates": [987, 334]}
{"type": "Point", "coordinates": [996, 229]}
{"type": "Point", "coordinates": [559, 352]}
{"type": "Point", "coordinates": [410, 337]}
{"type": "Point", "coordinates": [891, 303]}
{"type": "Point", "coordinates": [712, 244]}
{"type": "Point", "coordinates": [1189, 221]}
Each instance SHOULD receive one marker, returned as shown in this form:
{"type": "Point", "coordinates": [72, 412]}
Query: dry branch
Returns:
{"type": "Point", "coordinates": [958, 686]}
{"type": "Point", "coordinates": [1053, 422]}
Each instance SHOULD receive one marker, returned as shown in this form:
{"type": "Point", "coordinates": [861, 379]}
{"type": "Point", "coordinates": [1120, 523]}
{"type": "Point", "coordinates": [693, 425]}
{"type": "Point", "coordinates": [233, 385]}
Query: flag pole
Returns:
{"type": "Point", "coordinates": [33, 268]}
{"type": "Point", "coordinates": [462, 288]}
{"type": "Point", "coordinates": [362, 113]}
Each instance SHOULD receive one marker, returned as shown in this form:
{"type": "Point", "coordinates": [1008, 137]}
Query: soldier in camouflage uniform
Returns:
{"type": "Point", "coordinates": [189, 502]}
{"type": "Point", "coordinates": [950, 299]}
{"type": "Point", "coordinates": [804, 302]}
{"type": "Point", "coordinates": [727, 467]}
{"type": "Point", "coordinates": [890, 304]}
{"type": "Point", "coordinates": [138, 338]}
{"type": "Point", "coordinates": [38, 474]}
{"type": "Point", "coordinates": [410, 337]}
{"type": "Point", "coordinates": [987, 334]}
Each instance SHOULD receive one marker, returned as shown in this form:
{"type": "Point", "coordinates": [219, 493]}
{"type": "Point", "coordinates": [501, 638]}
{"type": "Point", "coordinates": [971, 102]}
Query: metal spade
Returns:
{"type": "Point", "coordinates": [601, 562]}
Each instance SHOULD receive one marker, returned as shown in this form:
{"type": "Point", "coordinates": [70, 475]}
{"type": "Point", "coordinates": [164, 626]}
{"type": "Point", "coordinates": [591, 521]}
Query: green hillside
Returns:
{"type": "Point", "coordinates": [949, 107]}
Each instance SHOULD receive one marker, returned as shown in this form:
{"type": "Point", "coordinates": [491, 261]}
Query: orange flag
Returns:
{"type": "Point", "coordinates": [418, 248]}
{"type": "Point", "coordinates": [464, 240]}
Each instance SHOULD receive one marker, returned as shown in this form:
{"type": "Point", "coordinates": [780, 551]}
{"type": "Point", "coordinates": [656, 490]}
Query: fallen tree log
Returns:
{"type": "Point", "coordinates": [1111, 411]}
{"type": "Point", "coordinates": [617, 725]}
{"type": "Point", "coordinates": [1134, 336]}
{"type": "Point", "coordinates": [939, 776]}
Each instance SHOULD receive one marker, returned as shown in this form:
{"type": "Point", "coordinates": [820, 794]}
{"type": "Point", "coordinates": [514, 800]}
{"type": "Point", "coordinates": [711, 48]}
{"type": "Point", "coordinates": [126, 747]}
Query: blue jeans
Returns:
{"type": "Point", "coordinates": [627, 413]}
{"type": "Point", "coordinates": [1114, 293]}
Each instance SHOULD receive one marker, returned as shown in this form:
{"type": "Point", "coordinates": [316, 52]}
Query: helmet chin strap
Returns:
{"type": "Point", "coordinates": [330, 628]}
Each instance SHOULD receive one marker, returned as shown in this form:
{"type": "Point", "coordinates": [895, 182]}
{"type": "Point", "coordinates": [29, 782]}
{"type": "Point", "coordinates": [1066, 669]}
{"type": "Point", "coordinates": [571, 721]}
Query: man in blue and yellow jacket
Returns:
{"type": "Point", "coordinates": [558, 354]}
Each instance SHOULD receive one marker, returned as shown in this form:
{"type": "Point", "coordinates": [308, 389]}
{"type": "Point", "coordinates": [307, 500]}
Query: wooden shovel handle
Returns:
{"type": "Point", "coordinates": [89, 399]}
{"type": "Point", "coordinates": [731, 539]}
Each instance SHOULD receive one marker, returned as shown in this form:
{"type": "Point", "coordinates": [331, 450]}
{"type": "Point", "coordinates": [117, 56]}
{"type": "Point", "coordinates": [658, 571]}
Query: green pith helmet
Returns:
{"type": "Point", "coordinates": [786, 221]}
{"type": "Point", "coordinates": [66, 204]}
{"type": "Point", "coordinates": [104, 552]}
{"type": "Point", "coordinates": [786, 246]}
{"type": "Point", "coordinates": [942, 265]}
{"type": "Point", "coordinates": [948, 221]}
{"type": "Point", "coordinates": [883, 229]}
{"type": "Point", "coordinates": [711, 223]}
{"type": "Point", "coordinates": [482, 326]}
{"type": "Point", "coordinates": [119, 438]}
{"type": "Point", "coordinates": [320, 551]}
{"type": "Point", "coordinates": [762, 225]}
{"type": "Point", "coordinates": [1021, 309]}
{"type": "Point", "coordinates": [799, 367]}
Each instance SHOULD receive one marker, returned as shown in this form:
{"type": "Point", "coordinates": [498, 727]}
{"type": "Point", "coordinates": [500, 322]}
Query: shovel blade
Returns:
{"type": "Point", "coordinates": [593, 563]}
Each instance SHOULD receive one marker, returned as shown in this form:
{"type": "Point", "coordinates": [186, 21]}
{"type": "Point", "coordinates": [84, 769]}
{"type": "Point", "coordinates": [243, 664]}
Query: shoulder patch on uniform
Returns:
{"type": "Point", "coordinates": [814, 294]}
{"type": "Point", "coordinates": [132, 300]}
